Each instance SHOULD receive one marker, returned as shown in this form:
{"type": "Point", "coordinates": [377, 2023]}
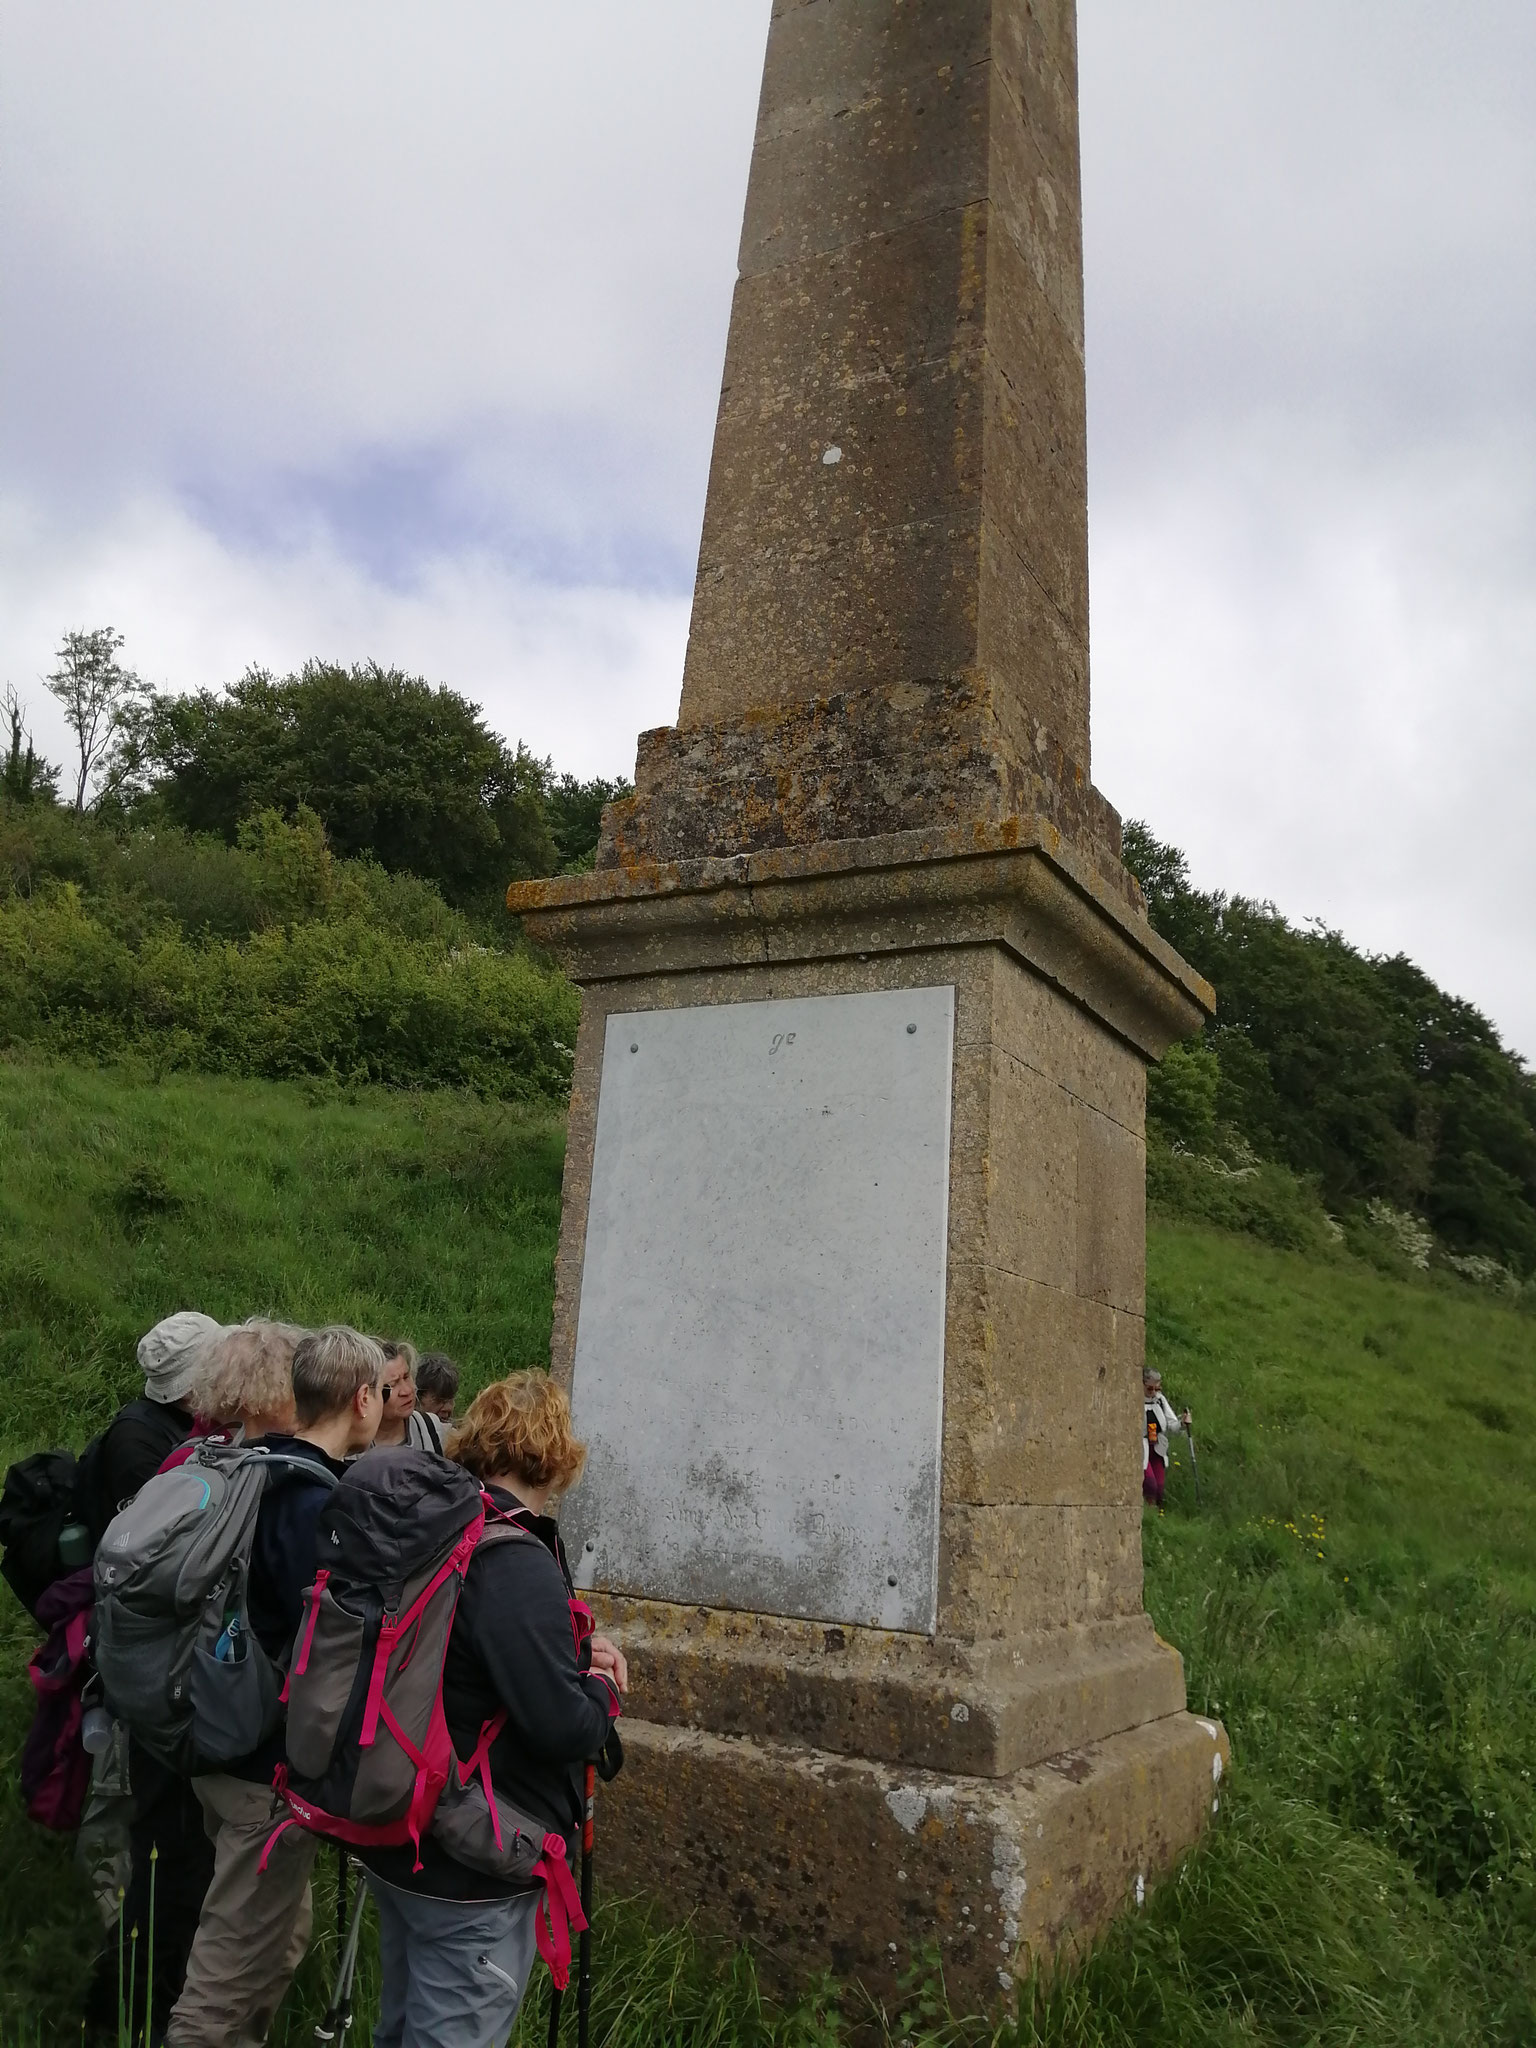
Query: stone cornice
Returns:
{"type": "Point", "coordinates": [1017, 884]}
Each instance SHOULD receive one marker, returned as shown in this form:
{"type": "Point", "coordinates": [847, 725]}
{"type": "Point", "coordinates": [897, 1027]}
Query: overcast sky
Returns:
{"type": "Point", "coordinates": [393, 330]}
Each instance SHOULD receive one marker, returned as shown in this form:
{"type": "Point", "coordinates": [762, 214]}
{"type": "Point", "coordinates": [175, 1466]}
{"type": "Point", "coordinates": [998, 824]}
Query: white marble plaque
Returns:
{"type": "Point", "coordinates": [760, 1349]}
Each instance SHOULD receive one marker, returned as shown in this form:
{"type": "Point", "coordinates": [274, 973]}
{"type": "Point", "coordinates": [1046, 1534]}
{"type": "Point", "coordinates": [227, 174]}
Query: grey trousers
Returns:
{"type": "Point", "coordinates": [452, 1974]}
{"type": "Point", "coordinates": [255, 1923]}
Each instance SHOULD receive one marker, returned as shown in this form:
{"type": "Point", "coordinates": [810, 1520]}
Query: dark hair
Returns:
{"type": "Point", "coordinates": [437, 1376]}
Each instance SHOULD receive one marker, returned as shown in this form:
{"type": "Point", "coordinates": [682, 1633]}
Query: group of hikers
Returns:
{"type": "Point", "coordinates": [291, 1598]}
{"type": "Point", "coordinates": [316, 1607]}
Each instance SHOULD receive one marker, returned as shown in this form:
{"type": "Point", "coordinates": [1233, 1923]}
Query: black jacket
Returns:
{"type": "Point", "coordinates": [283, 1564]}
{"type": "Point", "coordinates": [513, 1648]}
{"type": "Point", "coordinates": [133, 1447]}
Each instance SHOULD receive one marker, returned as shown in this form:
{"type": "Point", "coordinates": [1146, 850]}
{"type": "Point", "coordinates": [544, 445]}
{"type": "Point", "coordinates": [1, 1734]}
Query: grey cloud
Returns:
{"type": "Point", "coordinates": [398, 331]}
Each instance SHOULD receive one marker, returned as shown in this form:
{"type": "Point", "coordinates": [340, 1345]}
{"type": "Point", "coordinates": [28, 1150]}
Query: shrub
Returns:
{"type": "Point", "coordinates": [341, 998]}
{"type": "Point", "coordinates": [1181, 1096]}
{"type": "Point", "coordinates": [1265, 1200]}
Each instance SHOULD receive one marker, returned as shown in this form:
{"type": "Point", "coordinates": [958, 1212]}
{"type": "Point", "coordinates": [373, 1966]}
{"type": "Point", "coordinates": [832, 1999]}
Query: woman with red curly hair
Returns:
{"type": "Point", "coordinates": [456, 1946]}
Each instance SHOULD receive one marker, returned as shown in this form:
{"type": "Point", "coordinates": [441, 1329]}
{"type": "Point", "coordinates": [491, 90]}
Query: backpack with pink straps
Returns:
{"type": "Point", "coordinates": [370, 1761]}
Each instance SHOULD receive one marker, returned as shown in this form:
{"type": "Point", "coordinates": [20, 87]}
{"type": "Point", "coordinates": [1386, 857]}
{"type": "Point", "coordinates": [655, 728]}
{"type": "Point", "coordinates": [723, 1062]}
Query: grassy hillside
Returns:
{"type": "Point", "coordinates": [1356, 1595]}
{"type": "Point", "coordinates": [429, 1215]}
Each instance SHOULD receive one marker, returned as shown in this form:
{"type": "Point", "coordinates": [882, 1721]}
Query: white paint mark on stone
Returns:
{"type": "Point", "coordinates": [1141, 1888]}
{"type": "Point", "coordinates": [1008, 1883]}
{"type": "Point", "coordinates": [907, 1806]}
{"type": "Point", "coordinates": [832, 457]}
{"type": "Point", "coordinates": [1216, 1768]}
{"type": "Point", "coordinates": [1215, 1806]}
{"type": "Point", "coordinates": [1211, 1729]}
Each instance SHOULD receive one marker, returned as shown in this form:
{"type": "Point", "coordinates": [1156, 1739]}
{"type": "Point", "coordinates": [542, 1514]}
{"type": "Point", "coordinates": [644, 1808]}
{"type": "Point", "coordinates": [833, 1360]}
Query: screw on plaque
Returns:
{"type": "Point", "coordinates": [636, 1046]}
{"type": "Point", "coordinates": [911, 1031]}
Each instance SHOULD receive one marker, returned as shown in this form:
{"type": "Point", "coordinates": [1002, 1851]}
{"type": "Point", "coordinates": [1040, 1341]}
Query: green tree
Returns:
{"type": "Point", "coordinates": [99, 697]}
{"type": "Point", "coordinates": [25, 778]}
{"type": "Point", "coordinates": [1351, 1067]}
{"type": "Point", "coordinates": [575, 812]}
{"type": "Point", "coordinates": [393, 768]}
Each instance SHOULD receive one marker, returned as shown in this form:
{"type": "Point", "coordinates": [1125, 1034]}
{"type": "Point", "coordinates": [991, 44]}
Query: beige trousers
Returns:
{"type": "Point", "coordinates": [255, 1923]}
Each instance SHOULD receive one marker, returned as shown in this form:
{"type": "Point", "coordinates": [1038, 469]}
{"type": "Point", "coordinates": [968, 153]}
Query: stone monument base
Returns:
{"type": "Point", "coordinates": [841, 1788]}
{"type": "Point", "coordinates": [829, 1862]}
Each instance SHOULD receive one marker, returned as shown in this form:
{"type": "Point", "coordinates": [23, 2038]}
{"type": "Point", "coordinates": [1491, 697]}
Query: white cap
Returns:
{"type": "Point", "coordinates": [173, 1350]}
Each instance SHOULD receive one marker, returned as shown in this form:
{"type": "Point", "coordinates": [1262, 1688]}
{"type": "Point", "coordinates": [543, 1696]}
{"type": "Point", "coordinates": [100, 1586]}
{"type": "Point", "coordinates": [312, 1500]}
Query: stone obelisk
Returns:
{"type": "Point", "coordinates": [851, 1284]}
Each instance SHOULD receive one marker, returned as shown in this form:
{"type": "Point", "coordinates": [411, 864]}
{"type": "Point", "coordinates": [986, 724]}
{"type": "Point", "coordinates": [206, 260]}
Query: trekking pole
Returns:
{"type": "Point", "coordinates": [605, 1765]}
{"type": "Point", "coordinates": [584, 1978]}
{"type": "Point", "coordinates": [338, 2014]}
{"type": "Point", "coordinates": [1194, 1462]}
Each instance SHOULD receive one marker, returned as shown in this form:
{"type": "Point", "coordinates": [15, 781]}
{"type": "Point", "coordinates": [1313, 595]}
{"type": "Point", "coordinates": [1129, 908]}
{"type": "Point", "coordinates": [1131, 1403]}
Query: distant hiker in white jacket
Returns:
{"type": "Point", "coordinates": [1160, 1423]}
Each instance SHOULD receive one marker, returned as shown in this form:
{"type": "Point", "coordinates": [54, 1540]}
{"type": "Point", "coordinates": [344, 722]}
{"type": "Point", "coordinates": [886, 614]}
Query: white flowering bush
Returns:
{"type": "Point", "coordinates": [1410, 1234]}
{"type": "Point", "coordinates": [1484, 1272]}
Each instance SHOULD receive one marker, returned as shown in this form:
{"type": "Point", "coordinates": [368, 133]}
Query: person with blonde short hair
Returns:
{"type": "Point", "coordinates": [255, 1920]}
{"type": "Point", "coordinates": [456, 1946]}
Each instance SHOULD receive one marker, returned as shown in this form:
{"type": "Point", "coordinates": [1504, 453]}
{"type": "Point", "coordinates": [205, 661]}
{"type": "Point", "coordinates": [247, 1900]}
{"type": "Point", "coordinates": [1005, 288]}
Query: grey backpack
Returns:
{"type": "Point", "coordinates": [172, 1638]}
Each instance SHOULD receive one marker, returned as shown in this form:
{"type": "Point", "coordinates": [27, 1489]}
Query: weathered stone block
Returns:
{"type": "Point", "coordinates": [833, 1863]}
{"type": "Point", "coordinates": [910, 297]}
{"type": "Point", "coordinates": [1042, 1395]}
{"type": "Point", "coordinates": [1017, 1205]}
{"type": "Point", "coordinates": [836, 59]}
{"type": "Point", "coordinates": [1036, 457]}
{"type": "Point", "coordinates": [1009, 1571]}
{"type": "Point", "coordinates": [1043, 1029]}
{"type": "Point", "coordinates": [1111, 1212]}
{"type": "Point", "coordinates": [987, 1709]}
{"type": "Point", "coordinates": [840, 156]}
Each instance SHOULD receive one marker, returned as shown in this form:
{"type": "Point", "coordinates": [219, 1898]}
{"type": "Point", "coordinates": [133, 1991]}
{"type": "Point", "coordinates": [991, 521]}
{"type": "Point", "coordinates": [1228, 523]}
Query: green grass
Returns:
{"type": "Point", "coordinates": [1355, 1595]}
{"type": "Point", "coordinates": [431, 1216]}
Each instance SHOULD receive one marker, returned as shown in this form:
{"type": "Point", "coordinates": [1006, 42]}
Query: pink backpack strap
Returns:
{"type": "Point", "coordinates": [272, 1841]}
{"type": "Point", "coordinates": [301, 1664]}
{"type": "Point", "coordinates": [558, 1911]}
{"type": "Point", "coordinates": [583, 1623]}
{"type": "Point", "coordinates": [478, 1765]}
